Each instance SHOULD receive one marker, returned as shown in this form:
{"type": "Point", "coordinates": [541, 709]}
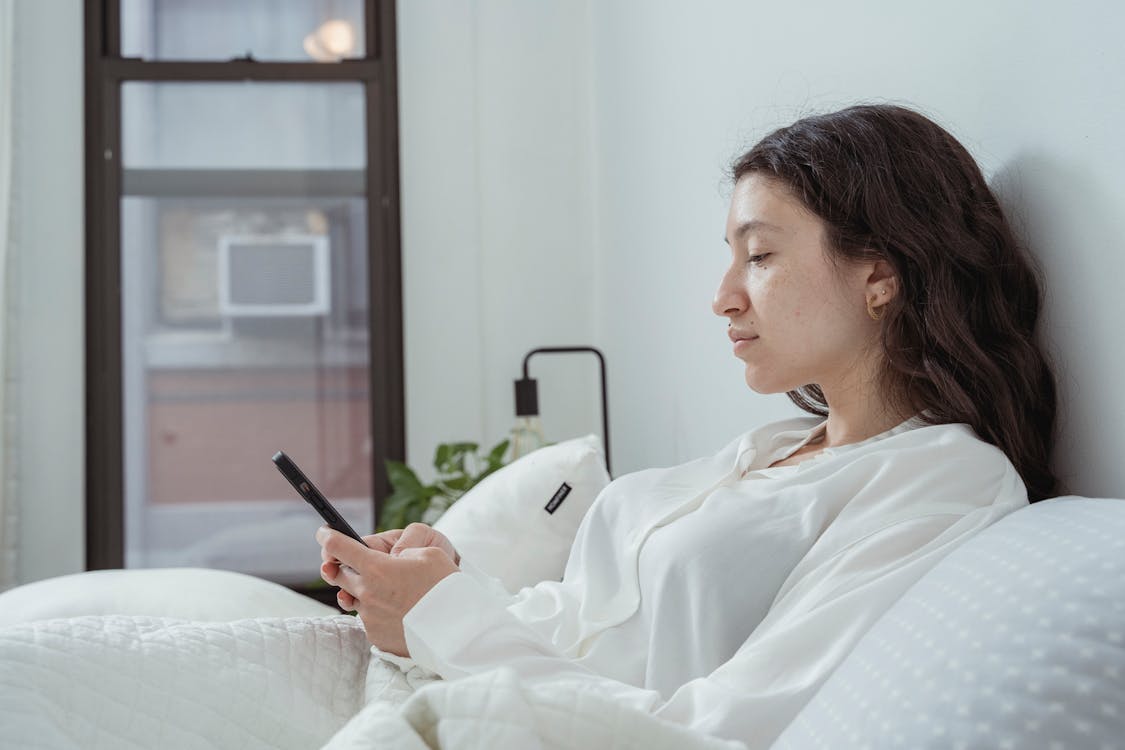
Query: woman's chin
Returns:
{"type": "Point", "coordinates": [766, 386]}
{"type": "Point", "coordinates": [758, 386]}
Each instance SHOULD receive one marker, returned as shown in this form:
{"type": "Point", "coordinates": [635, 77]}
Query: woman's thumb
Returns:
{"type": "Point", "coordinates": [412, 536]}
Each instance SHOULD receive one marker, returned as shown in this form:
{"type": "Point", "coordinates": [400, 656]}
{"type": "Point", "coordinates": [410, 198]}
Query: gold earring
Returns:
{"type": "Point", "coordinates": [875, 315]}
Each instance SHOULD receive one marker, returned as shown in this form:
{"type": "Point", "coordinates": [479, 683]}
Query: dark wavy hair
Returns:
{"type": "Point", "coordinates": [959, 339]}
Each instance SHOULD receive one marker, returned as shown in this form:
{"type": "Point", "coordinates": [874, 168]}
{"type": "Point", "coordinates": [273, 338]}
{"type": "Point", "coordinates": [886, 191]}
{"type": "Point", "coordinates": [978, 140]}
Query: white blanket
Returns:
{"type": "Point", "coordinates": [129, 682]}
{"type": "Point", "coordinates": [493, 711]}
{"type": "Point", "coordinates": [143, 682]}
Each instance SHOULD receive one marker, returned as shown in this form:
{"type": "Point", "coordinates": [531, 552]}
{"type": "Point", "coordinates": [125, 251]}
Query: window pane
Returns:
{"type": "Point", "coordinates": [245, 327]}
{"type": "Point", "coordinates": [294, 30]}
{"type": "Point", "coordinates": [243, 125]}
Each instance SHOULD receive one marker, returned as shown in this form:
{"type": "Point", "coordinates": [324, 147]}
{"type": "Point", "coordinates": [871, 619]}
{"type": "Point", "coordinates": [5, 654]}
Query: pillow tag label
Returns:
{"type": "Point", "coordinates": [557, 498]}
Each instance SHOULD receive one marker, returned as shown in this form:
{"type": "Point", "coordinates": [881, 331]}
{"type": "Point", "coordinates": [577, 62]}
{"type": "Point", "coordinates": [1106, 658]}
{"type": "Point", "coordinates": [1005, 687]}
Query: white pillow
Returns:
{"type": "Point", "coordinates": [518, 524]}
{"type": "Point", "coordinates": [1017, 639]}
{"type": "Point", "coordinates": [185, 593]}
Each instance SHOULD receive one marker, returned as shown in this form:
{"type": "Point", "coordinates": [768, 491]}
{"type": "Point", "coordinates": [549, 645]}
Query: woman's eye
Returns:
{"type": "Point", "coordinates": [757, 259]}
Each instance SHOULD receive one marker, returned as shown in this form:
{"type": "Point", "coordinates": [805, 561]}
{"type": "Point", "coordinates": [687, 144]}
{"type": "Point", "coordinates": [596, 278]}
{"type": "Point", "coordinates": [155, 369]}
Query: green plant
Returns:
{"type": "Point", "coordinates": [459, 467]}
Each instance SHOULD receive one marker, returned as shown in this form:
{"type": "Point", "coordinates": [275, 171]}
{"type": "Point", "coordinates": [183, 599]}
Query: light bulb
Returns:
{"type": "Point", "coordinates": [333, 40]}
{"type": "Point", "coordinates": [527, 436]}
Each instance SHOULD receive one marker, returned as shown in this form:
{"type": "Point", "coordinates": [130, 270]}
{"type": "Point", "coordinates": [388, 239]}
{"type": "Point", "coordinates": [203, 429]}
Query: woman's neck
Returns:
{"type": "Point", "coordinates": [858, 408]}
{"type": "Point", "coordinates": [857, 418]}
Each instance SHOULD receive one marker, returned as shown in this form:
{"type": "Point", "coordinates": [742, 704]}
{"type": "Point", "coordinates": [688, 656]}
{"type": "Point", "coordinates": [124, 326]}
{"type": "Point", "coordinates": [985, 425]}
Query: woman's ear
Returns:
{"type": "Point", "coordinates": [882, 283]}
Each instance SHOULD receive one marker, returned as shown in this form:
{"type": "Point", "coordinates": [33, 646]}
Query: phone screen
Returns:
{"type": "Point", "coordinates": [313, 496]}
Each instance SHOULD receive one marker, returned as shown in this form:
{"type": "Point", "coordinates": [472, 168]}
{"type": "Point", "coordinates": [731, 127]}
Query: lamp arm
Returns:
{"type": "Point", "coordinates": [601, 366]}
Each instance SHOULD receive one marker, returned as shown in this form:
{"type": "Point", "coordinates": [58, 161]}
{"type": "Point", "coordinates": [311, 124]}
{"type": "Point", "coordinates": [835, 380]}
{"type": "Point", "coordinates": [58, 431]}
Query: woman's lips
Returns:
{"type": "Point", "coordinates": [741, 339]}
{"type": "Point", "coordinates": [741, 345]}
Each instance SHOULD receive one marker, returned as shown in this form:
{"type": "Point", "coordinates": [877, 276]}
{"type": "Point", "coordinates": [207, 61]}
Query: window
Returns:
{"type": "Point", "coordinates": [243, 287]}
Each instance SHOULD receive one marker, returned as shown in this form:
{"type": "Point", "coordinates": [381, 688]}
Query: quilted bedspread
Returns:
{"type": "Point", "coordinates": [144, 682]}
{"type": "Point", "coordinates": [132, 682]}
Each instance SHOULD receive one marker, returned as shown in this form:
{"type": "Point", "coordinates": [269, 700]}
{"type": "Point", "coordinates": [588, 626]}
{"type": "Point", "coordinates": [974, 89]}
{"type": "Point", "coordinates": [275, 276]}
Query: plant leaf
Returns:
{"type": "Point", "coordinates": [394, 506]}
{"type": "Point", "coordinates": [459, 484]}
{"type": "Point", "coordinates": [401, 476]}
{"type": "Point", "coordinates": [441, 456]}
{"type": "Point", "coordinates": [496, 455]}
{"type": "Point", "coordinates": [452, 457]}
{"type": "Point", "coordinates": [411, 500]}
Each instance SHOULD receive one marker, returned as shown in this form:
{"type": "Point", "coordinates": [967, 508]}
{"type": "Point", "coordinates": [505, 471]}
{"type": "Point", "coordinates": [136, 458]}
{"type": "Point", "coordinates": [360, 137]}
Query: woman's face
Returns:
{"type": "Point", "coordinates": [795, 317]}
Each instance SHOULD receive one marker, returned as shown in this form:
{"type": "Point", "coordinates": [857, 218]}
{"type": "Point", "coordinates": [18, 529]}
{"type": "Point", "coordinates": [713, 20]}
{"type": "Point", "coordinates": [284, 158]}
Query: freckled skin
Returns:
{"type": "Point", "coordinates": [811, 315]}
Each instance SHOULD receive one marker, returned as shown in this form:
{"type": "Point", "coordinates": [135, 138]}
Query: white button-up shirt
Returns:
{"type": "Point", "coordinates": [721, 593]}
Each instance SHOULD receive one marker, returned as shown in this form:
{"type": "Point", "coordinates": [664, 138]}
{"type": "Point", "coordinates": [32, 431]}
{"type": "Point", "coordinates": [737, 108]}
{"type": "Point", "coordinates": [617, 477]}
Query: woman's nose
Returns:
{"type": "Point", "coordinates": [730, 298]}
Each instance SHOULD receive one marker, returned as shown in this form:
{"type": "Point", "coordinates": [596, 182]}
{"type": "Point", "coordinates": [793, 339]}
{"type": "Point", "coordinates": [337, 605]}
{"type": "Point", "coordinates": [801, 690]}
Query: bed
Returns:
{"type": "Point", "coordinates": [1016, 639]}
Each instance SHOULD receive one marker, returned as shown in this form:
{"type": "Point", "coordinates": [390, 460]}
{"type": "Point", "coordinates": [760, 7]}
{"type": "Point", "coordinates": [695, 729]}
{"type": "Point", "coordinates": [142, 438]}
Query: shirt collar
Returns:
{"type": "Point", "coordinates": [783, 444]}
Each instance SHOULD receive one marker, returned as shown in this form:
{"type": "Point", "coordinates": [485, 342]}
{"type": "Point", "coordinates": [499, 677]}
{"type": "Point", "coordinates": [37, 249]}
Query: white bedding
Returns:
{"type": "Point", "coordinates": [144, 682]}
{"type": "Point", "coordinates": [493, 710]}
{"type": "Point", "coordinates": [128, 682]}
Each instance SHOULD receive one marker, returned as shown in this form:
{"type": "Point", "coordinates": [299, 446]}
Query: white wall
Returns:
{"type": "Point", "coordinates": [498, 256]}
{"type": "Point", "coordinates": [681, 88]}
{"type": "Point", "coordinates": [48, 232]}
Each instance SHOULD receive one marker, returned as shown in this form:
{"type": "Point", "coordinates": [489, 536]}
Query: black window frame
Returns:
{"type": "Point", "coordinates": [105, 72]}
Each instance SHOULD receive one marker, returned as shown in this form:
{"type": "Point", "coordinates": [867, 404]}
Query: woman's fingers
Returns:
{"type": "Point", "coordinates": [414, 535]}
{"type": "Point", "coordinates": [342, 548]}
{"type": "Point", "coordinates": [419, 536]}
{"type": "Point", "coordinates": [380, 587]}
{"type": "Point", "coordinates": [384, 540]}
{"type": "Point", "coordinates": [329, 572]}
{"type": "Point", "coordinates": [350, 580]}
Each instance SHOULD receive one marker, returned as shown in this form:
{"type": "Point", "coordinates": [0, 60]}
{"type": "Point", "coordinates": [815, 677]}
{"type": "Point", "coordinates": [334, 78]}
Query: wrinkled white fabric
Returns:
{"type": "Point", "coordinates": [817, 552]}
{"type": "Point", "coordinates": [120, 682]}
{"type": "Point", "coordinates": [496, 711]}
{"type": "Point", "coordinates": [130, 682]}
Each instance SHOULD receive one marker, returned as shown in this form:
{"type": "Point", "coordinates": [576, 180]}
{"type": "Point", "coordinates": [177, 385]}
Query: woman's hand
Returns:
{"type": "Point", "coordinates": [396, 540]}
{"type": "Point", "coordinates": [420, 535]}
{"type": "Point", "coordinates": [393, 542]}
{"type": "Point", "coordinates": [382, 587]}
{"type": "Point", "coordinates": [414, 535]}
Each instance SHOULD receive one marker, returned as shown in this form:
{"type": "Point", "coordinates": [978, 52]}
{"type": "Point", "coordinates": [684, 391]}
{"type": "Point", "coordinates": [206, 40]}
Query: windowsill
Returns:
{"type": "Point", "coordinates": [194, 350]}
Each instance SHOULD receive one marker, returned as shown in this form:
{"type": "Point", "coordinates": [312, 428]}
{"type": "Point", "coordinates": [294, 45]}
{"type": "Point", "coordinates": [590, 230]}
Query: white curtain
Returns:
{"type": "Point", "coordinates": [8, 518]}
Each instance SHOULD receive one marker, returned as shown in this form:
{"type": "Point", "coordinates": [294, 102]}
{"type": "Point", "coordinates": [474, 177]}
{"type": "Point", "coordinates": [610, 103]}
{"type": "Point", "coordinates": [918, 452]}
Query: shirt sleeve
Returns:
{"type": "Point", "coordinates": [458, 629]}
{"type": "Point", "coordinates": [487, 582]}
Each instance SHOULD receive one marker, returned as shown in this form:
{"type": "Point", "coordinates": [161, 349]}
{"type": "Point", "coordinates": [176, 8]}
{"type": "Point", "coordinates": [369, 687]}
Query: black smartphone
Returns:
{"type": "Point", "coordinates": [313, 496]}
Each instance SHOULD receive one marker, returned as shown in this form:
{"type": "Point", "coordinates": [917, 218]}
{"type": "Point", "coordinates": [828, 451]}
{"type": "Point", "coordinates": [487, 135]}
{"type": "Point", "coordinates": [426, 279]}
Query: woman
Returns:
{"type": "Point", "coordinates": [875, 280]}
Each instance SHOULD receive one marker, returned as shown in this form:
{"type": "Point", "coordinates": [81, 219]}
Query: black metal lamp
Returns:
{"type": "Point", "coordinates": [528, 434]}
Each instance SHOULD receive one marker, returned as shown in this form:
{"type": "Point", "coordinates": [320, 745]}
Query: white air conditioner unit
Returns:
{"type": "Point", "coordinates": [273, 276]}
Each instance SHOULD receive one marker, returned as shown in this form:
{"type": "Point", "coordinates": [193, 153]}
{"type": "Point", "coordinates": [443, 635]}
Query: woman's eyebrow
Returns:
{"type": "Point", "coordinates": [753, 225]}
